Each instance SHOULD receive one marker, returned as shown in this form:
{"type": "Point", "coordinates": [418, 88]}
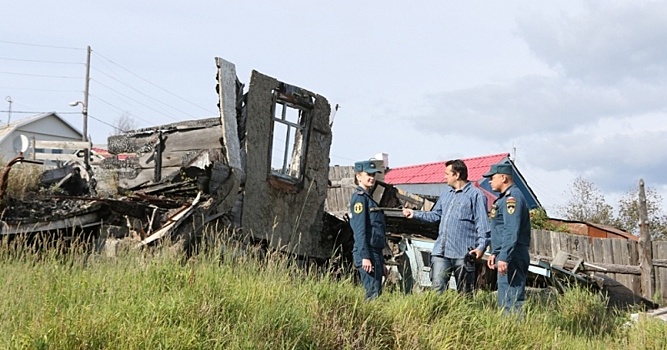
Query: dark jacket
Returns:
{"type": "Point", "coordinates": [368, 225]}
{"type": "Point", "coordinates": [510, 226]}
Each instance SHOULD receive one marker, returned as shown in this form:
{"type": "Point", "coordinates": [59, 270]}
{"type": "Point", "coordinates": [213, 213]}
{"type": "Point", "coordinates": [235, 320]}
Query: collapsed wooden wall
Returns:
{"type": "Point", "coordinates": [181, 144]}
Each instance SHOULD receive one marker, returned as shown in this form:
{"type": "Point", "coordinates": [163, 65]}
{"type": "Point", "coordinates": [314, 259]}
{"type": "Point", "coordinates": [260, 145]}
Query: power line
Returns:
{"type": "Point", "coordinates": [39, 112]}
{"type": "Point", "coordinates": [142, 93]}
{"type": "Point", "coordinates": [40, 75]}
{"type": "Point", "coordinates": [102, 121]}
{"type": "Point", "coordinates": [120, 109]}
{"type": "Point", "coordinates": [40, 45]}
{"type": "Point", "coordinates": [43, 90]}
{"type": "Point", "coordinates": [135, 100]}
{"type": "Point", "coordinates": [149, 82]}
{"type": "Point", "coordinates": [38, 61]}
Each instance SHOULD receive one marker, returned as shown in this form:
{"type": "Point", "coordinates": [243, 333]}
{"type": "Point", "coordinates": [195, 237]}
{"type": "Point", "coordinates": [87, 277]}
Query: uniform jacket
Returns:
{"type": "Point", "coordinates": [368, 225]}
{"type": "Point", "coordinates": [510, 226]}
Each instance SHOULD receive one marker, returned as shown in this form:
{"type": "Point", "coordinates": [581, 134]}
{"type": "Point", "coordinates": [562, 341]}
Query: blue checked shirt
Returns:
{"type": "Point", "coordinates": [464, 221]}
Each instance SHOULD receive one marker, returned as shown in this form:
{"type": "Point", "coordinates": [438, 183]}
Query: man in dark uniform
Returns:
{"type": "Point", "coordinates": [510, 238]}
{"type": "Point", "coordinates": [368, 225]}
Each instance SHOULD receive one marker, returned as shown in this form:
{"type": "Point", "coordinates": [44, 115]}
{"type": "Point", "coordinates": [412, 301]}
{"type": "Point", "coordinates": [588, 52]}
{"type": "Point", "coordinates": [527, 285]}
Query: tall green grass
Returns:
{"type": "Point", "coordinates": [60, 300]}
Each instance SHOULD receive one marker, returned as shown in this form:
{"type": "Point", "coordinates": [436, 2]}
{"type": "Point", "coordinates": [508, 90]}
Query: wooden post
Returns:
{"type": "Point", "coordinates": [645, 249]}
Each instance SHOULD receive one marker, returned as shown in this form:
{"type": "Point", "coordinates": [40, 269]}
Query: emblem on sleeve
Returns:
{"type": "Point", "coordinates": [358, 208]}
{"type": "Point", "coordinates": [511, 205]}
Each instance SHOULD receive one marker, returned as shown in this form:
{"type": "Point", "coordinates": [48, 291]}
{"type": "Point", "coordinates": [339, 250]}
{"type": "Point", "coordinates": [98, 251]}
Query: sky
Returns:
{"type": "Point", "coordinates": [568, 88]}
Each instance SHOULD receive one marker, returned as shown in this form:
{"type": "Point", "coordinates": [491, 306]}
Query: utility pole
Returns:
{"type": "Point", "coordinates": [9, 117]}
{"type": "Point", "coordinates": [645, 246]}
{"type": "Point", "coordinates": [85, 98]}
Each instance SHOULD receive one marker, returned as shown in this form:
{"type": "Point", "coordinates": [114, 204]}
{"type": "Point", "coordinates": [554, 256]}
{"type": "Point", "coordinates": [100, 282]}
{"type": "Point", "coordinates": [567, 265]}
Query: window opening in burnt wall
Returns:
{"type": "Point", "coordinates": [292, 114]}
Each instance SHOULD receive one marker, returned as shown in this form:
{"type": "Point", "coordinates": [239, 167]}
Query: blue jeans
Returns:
{"type": "Point", "coordinates": [512, 287]}
{"type": "Point", "coordinates": [372, 282]}
{"type": "Point", "coordinates": [442, 269]}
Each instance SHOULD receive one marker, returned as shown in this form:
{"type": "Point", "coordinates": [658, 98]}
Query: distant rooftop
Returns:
{"type": "Point", "coordinates": [435, 172]}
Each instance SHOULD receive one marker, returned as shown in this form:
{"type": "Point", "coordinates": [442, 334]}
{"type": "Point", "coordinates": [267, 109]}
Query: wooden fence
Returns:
{"type": "Point", "coordinates": [620, 257]}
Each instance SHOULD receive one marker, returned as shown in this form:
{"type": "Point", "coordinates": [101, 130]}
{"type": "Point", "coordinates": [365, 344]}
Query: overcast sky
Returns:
{"type": "Point", "coordinates": [567, 87]}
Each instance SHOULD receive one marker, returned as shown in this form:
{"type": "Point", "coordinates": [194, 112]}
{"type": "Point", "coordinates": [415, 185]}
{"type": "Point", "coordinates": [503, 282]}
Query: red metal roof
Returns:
{"type": "Point", "coordinates": [435, 172]}
{"type": "Point", "coordinates": [490, 196]}
{"type": "Point", "coordinates": [105, 153]}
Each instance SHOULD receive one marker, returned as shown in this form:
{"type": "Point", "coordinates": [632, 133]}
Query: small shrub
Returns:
{"type": "Point", "coordinates": [23, 179]}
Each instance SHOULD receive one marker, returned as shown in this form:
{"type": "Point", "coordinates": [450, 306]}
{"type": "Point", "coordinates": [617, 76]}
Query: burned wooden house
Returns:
{"type": "Point", "coordinates": [262, 166]}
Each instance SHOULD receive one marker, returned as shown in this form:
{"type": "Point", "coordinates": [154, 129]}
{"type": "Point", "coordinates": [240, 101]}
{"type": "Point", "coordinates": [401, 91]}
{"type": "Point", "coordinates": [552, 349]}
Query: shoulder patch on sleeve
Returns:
{"type": "Point", "coordinates": [511, 205]}
{"type": "Point", "coordinates": [358, 207]}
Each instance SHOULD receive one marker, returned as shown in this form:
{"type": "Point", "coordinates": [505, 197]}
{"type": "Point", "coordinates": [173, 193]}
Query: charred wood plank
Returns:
{"type": "Point", "coordinates": [227, 94]}
{"type": "Point", "coordinates": [219, 175]}
{"type": "Point", "coordinates": [158, 188]}
{"type": "Point", "coordinates": [172, 223]}
{"type": "Point", "coordinates": [159, 149]}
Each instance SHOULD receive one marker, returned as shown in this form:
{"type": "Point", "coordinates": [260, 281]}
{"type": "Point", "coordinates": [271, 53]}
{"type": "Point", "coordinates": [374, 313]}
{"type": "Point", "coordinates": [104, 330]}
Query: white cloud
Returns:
{"type": "Point", "coordinates": [611, 42]}
{"type": "Point", "coordinates": [612, 152]}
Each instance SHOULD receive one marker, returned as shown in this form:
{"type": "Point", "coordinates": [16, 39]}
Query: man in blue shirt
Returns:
{"type": "Point", "coordinates": [464, 227]}
{"type": "Point", "coordinates": [510, 239]}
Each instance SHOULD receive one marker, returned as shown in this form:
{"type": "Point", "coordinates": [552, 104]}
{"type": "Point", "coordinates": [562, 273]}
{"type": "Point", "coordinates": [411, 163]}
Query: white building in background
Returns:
{"type": "Point", "coordinates": [18, 135]}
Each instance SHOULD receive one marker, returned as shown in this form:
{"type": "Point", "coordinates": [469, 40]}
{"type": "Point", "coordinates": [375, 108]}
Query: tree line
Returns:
{"type": "Point", "coordinates": [587, 203]}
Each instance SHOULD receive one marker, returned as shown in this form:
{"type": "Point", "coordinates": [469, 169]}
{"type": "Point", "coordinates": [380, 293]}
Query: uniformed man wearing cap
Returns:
{"type": "Point", "coordinates": [510, 238]}
{"type": "Point", "coordinates": [368, 225]}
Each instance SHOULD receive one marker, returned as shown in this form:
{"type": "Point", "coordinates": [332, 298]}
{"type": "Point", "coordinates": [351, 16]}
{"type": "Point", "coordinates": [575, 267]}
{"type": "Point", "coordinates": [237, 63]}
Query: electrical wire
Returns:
{"type": "Point", "coordinates": [41, 75]}
{"type": "Point", "coordinates": [43, 90]}
{"type": "Point", "coordinates": [40, 112]}
{"type": "Point", "coordinates": [135, 100]}
{"type": "Point", "coordinates": [103, 122]}
{"type": "Point", "coordinates": [40, 45]}
{"type": "Point", "coordinates": [39, 61]}
{"type": "Point", "coordinates": [144, 94]}
{"type": "Point", "coordinates": [119, 109]}
{"type": "Point", "coordinates": [151, 83]}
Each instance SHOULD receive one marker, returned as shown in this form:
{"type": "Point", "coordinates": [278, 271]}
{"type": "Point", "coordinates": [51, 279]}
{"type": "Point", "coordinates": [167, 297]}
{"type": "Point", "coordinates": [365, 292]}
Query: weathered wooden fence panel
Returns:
{"type": "Point", "coordinates": [660, 272]}
{"type": "Point", "coordinates": [613, 251]}
{"type": "Point", "coordinates": [340, 191]}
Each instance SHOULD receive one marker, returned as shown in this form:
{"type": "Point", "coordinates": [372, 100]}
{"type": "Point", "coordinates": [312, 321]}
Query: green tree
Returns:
{"type": "Point", "coordinates": [587, 204]}
{"type": "Point", "coordinates": [628, 213]}
{"type": "Point", "coordinates": [540, 220]}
